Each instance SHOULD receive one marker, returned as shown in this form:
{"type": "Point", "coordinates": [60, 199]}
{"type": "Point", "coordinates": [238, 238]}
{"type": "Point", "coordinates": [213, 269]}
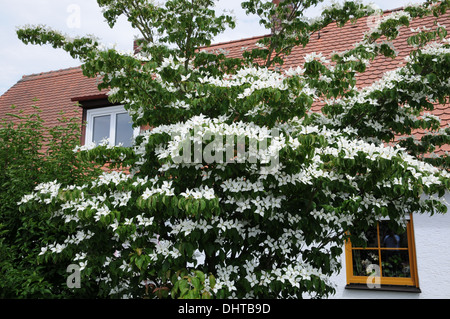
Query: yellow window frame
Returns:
{"type": "Point", "coordinates": [413, 280]}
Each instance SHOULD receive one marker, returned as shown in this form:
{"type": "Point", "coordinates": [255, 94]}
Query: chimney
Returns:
{"type": "Point", "coordinates": [275, 18]}
{"type": "Point", "coordinates": [136, 44]}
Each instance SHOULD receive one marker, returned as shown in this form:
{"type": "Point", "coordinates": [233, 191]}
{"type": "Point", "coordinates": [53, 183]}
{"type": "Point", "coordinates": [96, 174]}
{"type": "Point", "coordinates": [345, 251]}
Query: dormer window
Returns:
{"type": "Point", "coordinates": [112, 123]}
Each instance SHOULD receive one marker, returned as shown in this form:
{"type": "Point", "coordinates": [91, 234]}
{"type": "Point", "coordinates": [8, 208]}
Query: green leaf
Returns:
{"type": "Point", "coordinates": [200, 275]}
{"type": "Point", "coordinates": [196, 283]}
{"type": "Point", "coordinates": [174, 202]}
{"type": "Point", "coordinates": [183, 286]}
{"type": "Point", "coordinates": [202, 205]}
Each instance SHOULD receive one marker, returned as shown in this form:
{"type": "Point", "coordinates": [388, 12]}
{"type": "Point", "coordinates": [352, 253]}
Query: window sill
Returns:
{"type": "Point", "coordinates": [394, 288]}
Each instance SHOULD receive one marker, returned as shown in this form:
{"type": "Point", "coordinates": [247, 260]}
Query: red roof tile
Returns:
{"type": "Point", "coordinates": [334, 39]}
{"type": "Point", "coordinates": [52, 92]}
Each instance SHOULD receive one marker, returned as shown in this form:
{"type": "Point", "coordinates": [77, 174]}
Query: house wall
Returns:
{"type": "Point", "coordinates": [432, 238]}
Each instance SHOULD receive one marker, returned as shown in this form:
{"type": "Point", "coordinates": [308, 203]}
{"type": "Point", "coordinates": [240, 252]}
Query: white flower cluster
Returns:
{"type": "Point", "coordinates": [289, 240]}
{"type": "Point", "coordinates": [224, 139]}
{"type": "Point", "coordinates": [91, 145]}
{"type": "Point", "coordinates": [438, 49]}
{"type": "Point", "coordinates": [165, 189]}
{"type": "Point", "coordinates": [179, 105]}
{"type": "Point", "coordinates": [224, 278]}
{"type": "Point", "coordinates": [260, 205]}
{"type": "Point", "coordinates": [164, 248]}
{"type": "Point", "coordinates": [291, 274]}
{"type": "Point", "coordinates": [257, 78]}
{"type": "Point", "coordinates": [395, 15]}
{"type": "Point", "coordinates": [171, 62]}
{"type": "Point", "coordinates": [198, 193]}
{"type": "Point", "coordinates": [108, 178]}
{"type": "Point", "coordinates": [314, 55]}
{"type": "Point", "coordinates": [187, 226]}
{"type": "Point", "coordinates": [120, 199]}
{"type": "Point", "coordinates": [71, 240]}
{"type": "Point", "coordinates": [332, 218]}
{"type": "Point", "coordinates": [241, 184]}
{"type": "Point", "coordinates": [261, 108]}
{"type": "Point", "coordinates": [50, 190]}
{"type": "Point", "coordinates": [140, 56]}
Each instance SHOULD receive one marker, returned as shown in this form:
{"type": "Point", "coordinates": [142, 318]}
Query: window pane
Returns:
{"type": "Point", "coordinates": [371, 239]}
{"type": "Point", "coordinates": [395, 263]}
{"type": "Point", "coordinates": [124, 129]}
{"type": "Point", "coordinates": [390, 239]}
{"type": "Point", "coordinates": [101, 127]}
{"type": "Point", "coordinates": [363, 261]}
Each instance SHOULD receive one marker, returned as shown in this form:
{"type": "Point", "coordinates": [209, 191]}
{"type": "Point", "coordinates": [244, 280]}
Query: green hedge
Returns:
{"type": "Point", "coordinates": [32, 153]}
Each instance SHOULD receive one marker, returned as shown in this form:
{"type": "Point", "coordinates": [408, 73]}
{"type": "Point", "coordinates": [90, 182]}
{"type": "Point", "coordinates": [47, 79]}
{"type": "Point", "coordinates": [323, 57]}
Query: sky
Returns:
{"type": "Point", "coordinates": [83, 17]}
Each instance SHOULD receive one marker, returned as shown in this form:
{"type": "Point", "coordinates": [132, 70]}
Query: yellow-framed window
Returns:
{"type": "Point", "coordinates": [388, 259]}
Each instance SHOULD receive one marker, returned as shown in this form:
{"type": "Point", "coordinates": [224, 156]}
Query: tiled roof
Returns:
{"type": "Point", "coordinates": [59, 90]}
{"type": "Point", "coordinates": [55, 92]}
{"type": "Point", "coordinates": [334, 39]}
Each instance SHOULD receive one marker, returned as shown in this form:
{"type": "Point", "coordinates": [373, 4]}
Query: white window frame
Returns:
{"type": "Point", "coordinates": [109, 110]}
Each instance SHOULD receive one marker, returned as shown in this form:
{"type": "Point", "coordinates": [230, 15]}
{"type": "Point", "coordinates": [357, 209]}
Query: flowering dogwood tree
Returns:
{"type": "Point", "coordinates": [239, 189]}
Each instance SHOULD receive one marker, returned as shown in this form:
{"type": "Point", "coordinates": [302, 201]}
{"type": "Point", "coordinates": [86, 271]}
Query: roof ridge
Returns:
{"type": "Point", "coordinates": [262, 36]}
{"type": "Point", "coordinates": [235, 41]}
{"type": "Point", "coordinates": [33, 76]}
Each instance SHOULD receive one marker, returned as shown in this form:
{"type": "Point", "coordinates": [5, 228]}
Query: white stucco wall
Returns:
{"type": "Point", "coordinates": [432, 237]}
